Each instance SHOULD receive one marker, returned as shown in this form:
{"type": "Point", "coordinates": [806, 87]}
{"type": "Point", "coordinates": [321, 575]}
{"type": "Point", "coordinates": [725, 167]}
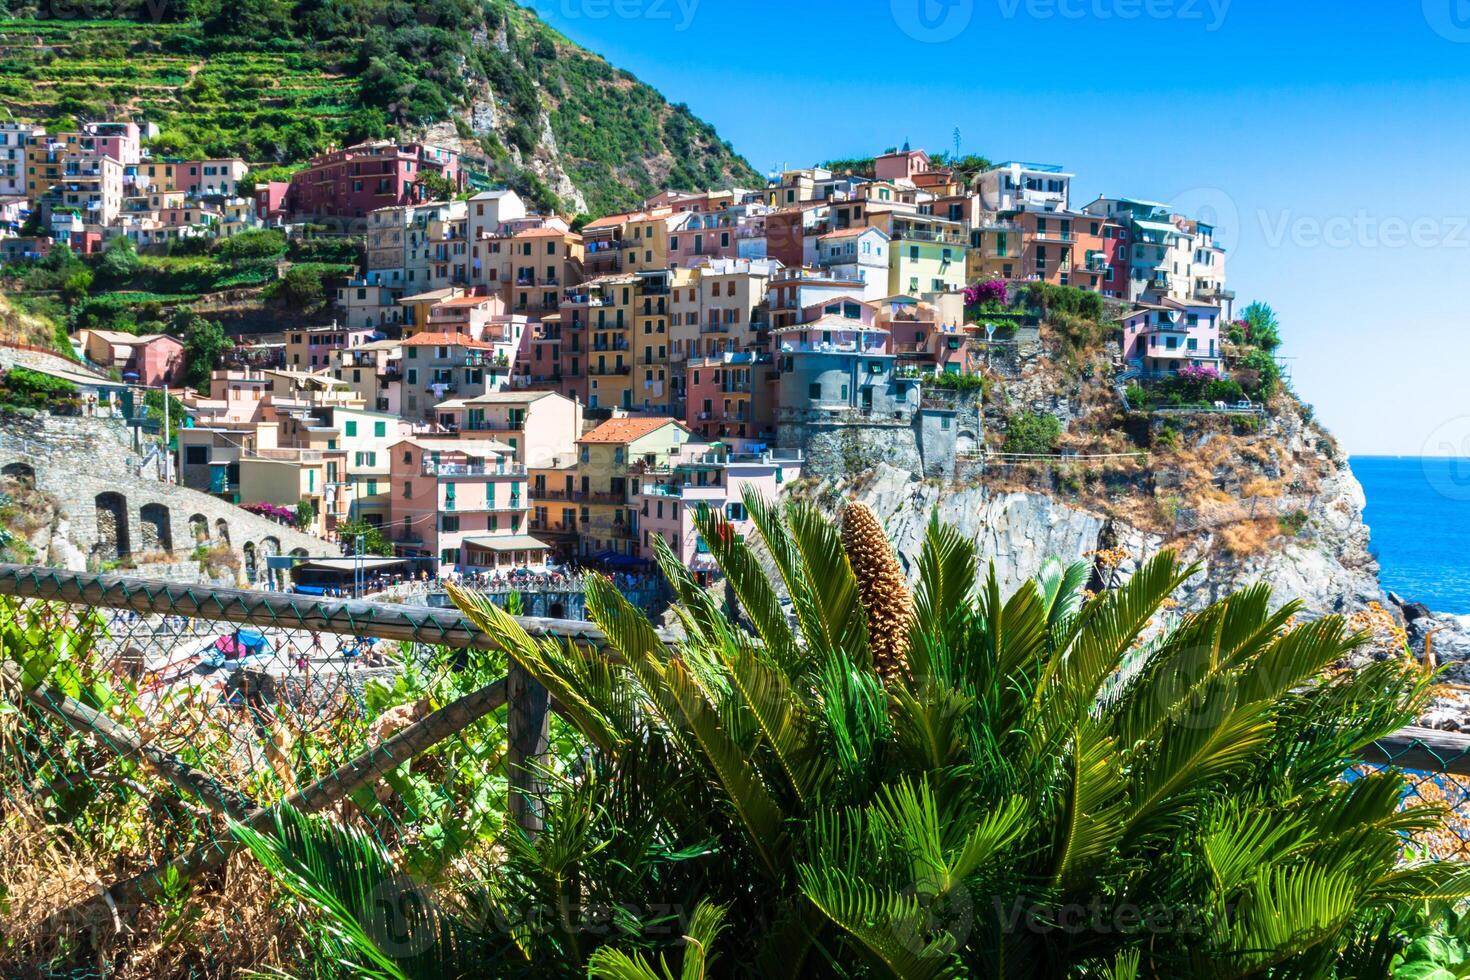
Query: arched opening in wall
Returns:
{"type": "Point", "coordinates": [965, 444]}
{"type": "Point", "coordinates": [269, 548]}
{"type": "Point", "coordinates": [199, 528]}
{"type": "Point", "coordinates": [250, 571]}
{"type": "Point", "coordinates": [222, 531]}
{"type": "Point", "coordinates": [22, 473]}
{"type": "Point", "coordinates": [154, 528]}
{"type": "Point", "coordinates": [112, 526]}
{"type": "Point", "coordinates": [299, 553]}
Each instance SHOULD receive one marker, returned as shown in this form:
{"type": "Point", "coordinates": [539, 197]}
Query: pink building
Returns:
{"type": "Point", "coordinates": [362, 178]}
{"type": "Point", "coordinates": [1160, 339]}
{"type": "Point", "coordinates": [270, 200]}
{"type": "Point", "coordinates": [120, 140]}
{"type": "Point", "coordinates": [717, 480]}
{"type": "Point", "coordinates": [699, 237]}
{"type": "Point", "coordinates": [731, 396]}
{"type": "Point", "coordinates": [901, 165]}
{"type": "Point", "coordinates": [198, 177]}
{"type": "Point", "coordinates": [235, 397]}
{"type": "Point", "coordinates": [463, 502]}
{"type": "Point", "coordinates": [152, 359]}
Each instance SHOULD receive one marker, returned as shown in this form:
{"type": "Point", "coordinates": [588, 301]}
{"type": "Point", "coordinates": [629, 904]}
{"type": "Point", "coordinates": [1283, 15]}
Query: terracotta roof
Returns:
{"type": "Point", "coordinates": [466, 300]}
{"type": "Point", "coordinates": [544, 232]}
{"type": "Point", "coordinates": [628, 429]}
{"type": "Point", "coordinates": [853, 232]}
{"type": "Point", "coordinates": [445, 340]}
{"type": "Point", "coordinates": [610, 221]}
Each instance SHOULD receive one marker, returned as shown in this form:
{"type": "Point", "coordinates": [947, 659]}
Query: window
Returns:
{"type": "Point", "coordinates": [351, 428]}
{"type": "Point", "coordinates": [372, 488]}
{"type": "Point", "coordinates": [735, 511]}
{"type": "Point", "coordinates": [196, 455]}
{"type": "Point", "coordinates": [407, 489]}
{"type": "Point", "coordinates": [814, 392]}
{"type": "Point", "coordinates": [380, 429]}
{"type": "Point", "coordinates": [449, 523]}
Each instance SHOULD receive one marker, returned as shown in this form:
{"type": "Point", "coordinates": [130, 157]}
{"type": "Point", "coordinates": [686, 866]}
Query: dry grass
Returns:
{"type": "Point", "coordinates": [1249, 537]}
{"type": "Point", "coordinates": [227, 923]}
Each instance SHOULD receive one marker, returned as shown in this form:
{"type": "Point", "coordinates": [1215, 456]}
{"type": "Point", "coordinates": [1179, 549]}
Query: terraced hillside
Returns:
{"type": "Point", "coordinates": [274, 83]}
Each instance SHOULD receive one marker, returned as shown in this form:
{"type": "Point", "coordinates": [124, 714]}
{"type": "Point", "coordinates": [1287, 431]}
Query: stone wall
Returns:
{"type": "Point", "coordinates": [112, 511]}
{"type": "Point", "coordinates": [927, 442]}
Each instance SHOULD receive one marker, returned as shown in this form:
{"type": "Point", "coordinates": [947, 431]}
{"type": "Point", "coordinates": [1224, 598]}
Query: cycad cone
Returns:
{"type": "Point", "coordinates": [881, 588]}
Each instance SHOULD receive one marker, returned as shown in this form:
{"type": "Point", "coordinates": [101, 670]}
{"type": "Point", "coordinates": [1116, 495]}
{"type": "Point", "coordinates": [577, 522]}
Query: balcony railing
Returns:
{"type": "Point", "coordinates": [431, 468]}
{"type": "Point", "coordinates": [609, 370]}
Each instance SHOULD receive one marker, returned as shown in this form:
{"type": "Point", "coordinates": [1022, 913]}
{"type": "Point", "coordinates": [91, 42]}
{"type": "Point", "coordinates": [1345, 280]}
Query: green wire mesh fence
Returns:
{"type": "Point", "coordinates": [138, 719]}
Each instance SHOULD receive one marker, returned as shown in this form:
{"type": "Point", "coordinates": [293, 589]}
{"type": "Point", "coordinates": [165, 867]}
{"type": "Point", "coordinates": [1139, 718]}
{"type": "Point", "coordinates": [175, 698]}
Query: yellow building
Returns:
{"type": "Point", "coordinates": [646, 240]}
{"type": "Point", "coordinates": [611, 461]}
{"type": "Point", "coordinates": [652, 388]}
{"type": "Point", "coordinates": [926, 254]}
{"type": "Point", "coordinates": [609, 331]}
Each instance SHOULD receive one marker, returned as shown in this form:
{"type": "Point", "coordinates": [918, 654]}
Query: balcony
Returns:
{"type": "Point", "coordinates": [614, 345]}
{"type": "Point", "coordinates": [609, 370]}
{"type": "Point", "coordinates": [494, 425]}
{"type": "Point", "coordinates": [715, 327]}
{"type": "Point", "coordinates": [431, 468]}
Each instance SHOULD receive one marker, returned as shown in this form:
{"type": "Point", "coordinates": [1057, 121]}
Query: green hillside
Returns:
{"type": "Point", "coordinates": [275, 82]}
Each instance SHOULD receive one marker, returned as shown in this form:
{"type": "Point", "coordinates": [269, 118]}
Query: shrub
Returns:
{"type": "Point", "coordinates": [1031, 756]}
{"type": "Point", "coordinates": [1032, 434]}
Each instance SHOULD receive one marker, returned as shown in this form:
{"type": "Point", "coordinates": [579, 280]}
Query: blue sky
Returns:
{"type": "Point", "coordinates": [1328, 142]}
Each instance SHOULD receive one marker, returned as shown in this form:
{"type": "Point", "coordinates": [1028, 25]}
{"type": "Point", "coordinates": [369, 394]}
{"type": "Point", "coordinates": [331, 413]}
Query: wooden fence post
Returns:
{"type": "Point", "coordinates": [527, 720]}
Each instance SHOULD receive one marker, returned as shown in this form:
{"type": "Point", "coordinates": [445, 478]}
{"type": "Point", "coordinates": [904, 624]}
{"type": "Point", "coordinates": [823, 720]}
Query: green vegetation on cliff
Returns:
{"type": "Point", "coordinates": [276, 82]}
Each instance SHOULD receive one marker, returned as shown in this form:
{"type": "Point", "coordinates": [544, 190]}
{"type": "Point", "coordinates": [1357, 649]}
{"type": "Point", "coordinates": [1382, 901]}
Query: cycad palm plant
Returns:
{"type": "Point", "coordinates": [1041, 785]}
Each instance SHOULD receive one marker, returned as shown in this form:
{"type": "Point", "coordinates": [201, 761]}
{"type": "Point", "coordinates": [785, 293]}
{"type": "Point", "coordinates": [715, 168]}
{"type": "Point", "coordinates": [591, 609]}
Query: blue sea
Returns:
{"type": "Point", "coordinates": [1419, 513]}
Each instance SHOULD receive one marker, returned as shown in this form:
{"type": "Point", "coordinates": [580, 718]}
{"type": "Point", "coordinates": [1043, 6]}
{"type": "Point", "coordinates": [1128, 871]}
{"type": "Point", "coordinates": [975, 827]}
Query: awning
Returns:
{"type": "Point", "coordinates": [365, 563]}
{"type": "Point", "coordinates": [1159, 226]}
{"type": "Point", "coordinates": [508, 542]}
{"type": "Point", "coordinates": [615, 559]}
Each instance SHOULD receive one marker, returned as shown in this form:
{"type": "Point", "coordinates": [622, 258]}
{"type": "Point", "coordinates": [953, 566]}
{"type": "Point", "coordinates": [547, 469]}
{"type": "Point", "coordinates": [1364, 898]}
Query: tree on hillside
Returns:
{"type": "Point", "coordinates": [205, 344]}
{"type": "Point", "coordinates": [119, 262]}
{"type": "Point", "coordinates": [1262, 328]}
{"type": "Point", "coordinates": [1032, 434]}
{"type": "Point", "coordinates": [299, 289]}
{"type": "Point", "coordinates": [75, 287]}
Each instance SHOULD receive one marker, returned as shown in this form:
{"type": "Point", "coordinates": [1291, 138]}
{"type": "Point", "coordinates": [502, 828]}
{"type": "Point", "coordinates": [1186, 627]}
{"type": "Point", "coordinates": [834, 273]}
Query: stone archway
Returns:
{"type": "Point", "coordinates": [112, 526]}
{"type": "Point", "coordinates": [251, 573]}
{"type": "Point", "coordinates": [154, 528]}
{"type": "Point", "coordinates": [199, 528]}
{"type": "Point", "coordinates": [22, 473]}
{"type": "Point", "coordinates": [299, 553]}
{"type": "Point", "coordinates": [222, 531]}
{"type": "Point", "coordinates": [965, 444]}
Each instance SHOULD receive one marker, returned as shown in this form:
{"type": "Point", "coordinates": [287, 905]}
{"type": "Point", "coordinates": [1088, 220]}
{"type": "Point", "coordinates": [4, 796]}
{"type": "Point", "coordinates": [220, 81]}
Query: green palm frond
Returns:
{"type": "Point", "coordinates": [843, 621]}
{"type": "Point", "coordinates": [380, 923]}
{"type": "Point", "coordinates": [1095, 645]}
{"type": "Point", "coordinates": [945, 593]}
{"type": "Point", "coordinates": [562, 668]}
{"type": "Point", "coordinates": [1203, 740]}
{"type": "Point", "coordinates": [1061, 589]}
{"type": "Point", "coordinates": [798, 580]}
{"type": "Point", "coordinates": [782, 718]}
{"type": "Point", "coordinates": [1089, 825]}
{"type": "Point", "coordinates": [705, 927]}
{"type": "Point", "coordinates": [895, 927]}
{"type": "Point", "coordinates": [752, 587]}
